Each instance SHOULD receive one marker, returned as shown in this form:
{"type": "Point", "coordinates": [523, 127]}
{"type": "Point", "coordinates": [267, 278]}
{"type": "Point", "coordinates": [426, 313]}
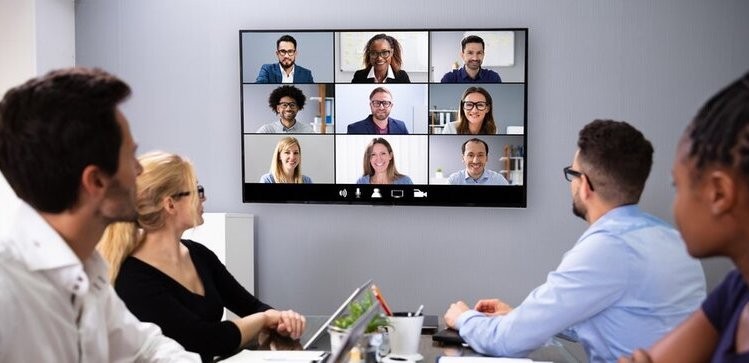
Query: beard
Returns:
{"type": "Point", "coordinates": [120, 204]}
{"type": "Point", "coordinates": [579, 210]}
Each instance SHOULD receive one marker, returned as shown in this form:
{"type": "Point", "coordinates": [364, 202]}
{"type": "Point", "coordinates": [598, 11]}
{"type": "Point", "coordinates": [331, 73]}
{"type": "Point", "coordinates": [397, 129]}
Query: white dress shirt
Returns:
{"type": "Point", "coordinates": [56, 309]}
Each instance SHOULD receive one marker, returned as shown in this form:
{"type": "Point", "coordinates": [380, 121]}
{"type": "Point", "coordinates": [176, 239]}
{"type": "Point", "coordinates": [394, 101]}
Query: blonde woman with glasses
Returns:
{"type": "Point", "coordinates": [179, 284]}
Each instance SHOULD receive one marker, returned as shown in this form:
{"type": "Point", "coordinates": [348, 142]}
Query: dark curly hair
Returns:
{"type": "Point", "coordinates": [54, 126]}
{"type": "Point", "coordinates": [719, 133]}
{"type": "Point", "coordinates": [617, 159]}
{"type": "Point", "coordinates": [286, 91]}
{"type": "Point", "coordinates": [395, 62]}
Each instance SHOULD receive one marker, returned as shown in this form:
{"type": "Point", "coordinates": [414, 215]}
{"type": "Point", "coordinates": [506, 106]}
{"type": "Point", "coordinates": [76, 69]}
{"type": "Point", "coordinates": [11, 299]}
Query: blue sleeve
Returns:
{"type": "Point", "coordinates": [404, 180]}
{"type": "Point", "coordinates": [363, 180]}
{"type": "Point", "coordinates": [263, 76]}
{"type": "Point", "coordinates": [306, 179]}
{"type": "Point", "coordinates": [454, 178]}
{"type": "Point", "coordinates": [584, 284]}
{"type": "Point", "coordinates": [448, 78]}
{"type": "Point", "coordinates": [267, 178]}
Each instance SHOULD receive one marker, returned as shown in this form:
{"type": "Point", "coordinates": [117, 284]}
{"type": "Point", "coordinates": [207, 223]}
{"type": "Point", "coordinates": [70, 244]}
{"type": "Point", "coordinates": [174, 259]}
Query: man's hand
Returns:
{"type": "Point", "coordinates": [639, 356]}
{"type": "Point", "coordinates": [492, 307]}
{"type": "Point", "coordinates": [452, 314]}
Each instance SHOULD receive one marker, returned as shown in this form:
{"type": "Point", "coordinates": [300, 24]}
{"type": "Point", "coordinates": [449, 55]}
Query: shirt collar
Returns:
{"type": "Point", "coordinates": [288, 129]}
{"type": "Point", "coordinates": [390, 74]}
{"type": "Point", "coordinates": [468, 177]}
{"type": "Point", "coordinates": [464, 74]}
{"type": "Point", "coordinates": [614, 214]}
{"type": "Point", "coordinates": [42, 249]}
{"type": "Point", "coordinates": [291, 74]}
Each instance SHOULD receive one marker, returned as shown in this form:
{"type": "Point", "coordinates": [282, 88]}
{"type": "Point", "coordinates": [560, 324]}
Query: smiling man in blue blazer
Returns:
{"type": "Point", "coordinates": [379, 122]}
{"type": "Point", "coordinates": [286, 70]}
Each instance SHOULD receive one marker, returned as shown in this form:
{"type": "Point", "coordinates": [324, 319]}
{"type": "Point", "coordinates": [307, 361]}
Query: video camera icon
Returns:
{"type": "Point", "coordinates": [419, 194]}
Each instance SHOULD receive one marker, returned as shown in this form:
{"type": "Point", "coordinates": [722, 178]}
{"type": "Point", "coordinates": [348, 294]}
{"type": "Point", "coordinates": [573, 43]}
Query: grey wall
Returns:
{"type": "Point", "coordinates": [651, 63]}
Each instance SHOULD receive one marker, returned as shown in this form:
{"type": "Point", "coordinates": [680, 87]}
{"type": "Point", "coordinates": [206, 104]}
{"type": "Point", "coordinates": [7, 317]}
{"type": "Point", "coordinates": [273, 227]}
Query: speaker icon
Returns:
{"type": "Point", "coordinates": [343, 193]}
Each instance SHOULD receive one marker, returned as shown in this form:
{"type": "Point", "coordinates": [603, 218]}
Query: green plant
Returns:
{"type": "Point", "coordinates": [355, 309]}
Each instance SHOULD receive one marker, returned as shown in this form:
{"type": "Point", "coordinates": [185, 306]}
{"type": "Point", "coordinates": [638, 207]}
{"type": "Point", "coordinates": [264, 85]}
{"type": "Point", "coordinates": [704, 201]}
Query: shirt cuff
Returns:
{"type": "Point", "coordinates": [464, 317]}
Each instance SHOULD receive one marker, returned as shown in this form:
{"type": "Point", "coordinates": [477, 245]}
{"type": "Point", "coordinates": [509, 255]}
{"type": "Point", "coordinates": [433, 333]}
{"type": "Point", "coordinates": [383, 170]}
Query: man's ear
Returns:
{"type": "Point", "coordinates": [584, 190]}
{"type": "Point", "coordinates": [720, 192]}
{"type": "Point", "coordinates": [94, 181]}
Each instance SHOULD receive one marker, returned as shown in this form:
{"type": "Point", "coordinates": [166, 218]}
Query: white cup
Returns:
{"type": "Point", "coordinates": [404, 332]}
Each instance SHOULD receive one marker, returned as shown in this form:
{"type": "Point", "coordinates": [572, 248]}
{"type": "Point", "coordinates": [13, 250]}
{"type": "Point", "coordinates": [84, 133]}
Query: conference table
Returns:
{"type": "Point", "coordinates": [557, 350]}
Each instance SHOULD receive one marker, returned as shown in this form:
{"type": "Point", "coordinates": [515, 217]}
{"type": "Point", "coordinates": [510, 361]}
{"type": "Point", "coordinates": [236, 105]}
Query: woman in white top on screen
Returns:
{"type": "Point", "coordinates": [475, 114]}
{"type": "Point", "coordinates": [286, 165]}
{"type": "Point", "coordinates": [379, 165]}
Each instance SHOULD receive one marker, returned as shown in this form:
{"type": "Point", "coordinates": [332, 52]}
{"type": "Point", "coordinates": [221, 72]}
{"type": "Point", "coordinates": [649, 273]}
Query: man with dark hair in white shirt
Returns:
{"type": "Point", "coordinates": [67, 152]}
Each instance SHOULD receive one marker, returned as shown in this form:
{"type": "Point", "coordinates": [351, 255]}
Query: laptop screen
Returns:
{"type": "Point", "coordinates": [361, 289]}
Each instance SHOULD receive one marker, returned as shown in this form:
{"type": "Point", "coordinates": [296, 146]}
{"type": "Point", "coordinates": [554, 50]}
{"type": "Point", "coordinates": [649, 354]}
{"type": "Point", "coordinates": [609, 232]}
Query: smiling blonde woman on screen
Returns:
{"type": "Point", "coordinates": [180, 284]}
{"type": "Point", "coordinates": [286, 164]}
{"type": "Point", "coordinates": [379, 165]}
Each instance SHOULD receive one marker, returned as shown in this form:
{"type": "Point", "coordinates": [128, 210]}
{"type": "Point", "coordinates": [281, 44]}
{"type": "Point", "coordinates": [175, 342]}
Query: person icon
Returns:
{"type": "Point", "coordinates": [472, 53]}
{"type": "Point", "coordinates": [376, 193]}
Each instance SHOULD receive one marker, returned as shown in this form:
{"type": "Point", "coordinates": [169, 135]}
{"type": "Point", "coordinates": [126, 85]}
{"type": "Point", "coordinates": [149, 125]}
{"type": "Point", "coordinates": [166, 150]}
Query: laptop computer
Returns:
{"type": "Point", "coordinates": [340, 355]}
{"type": "Point", "coordinates": [363, 288]}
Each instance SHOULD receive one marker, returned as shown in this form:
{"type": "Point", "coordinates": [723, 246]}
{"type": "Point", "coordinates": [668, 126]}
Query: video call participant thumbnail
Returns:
{"type": "Point", "coordinates": [379, 165]}
{"type": "Point", "coordinates": [379, 121]}
{"type": "Point", "coordinates": [475, 156]}
{"type": "Point", "coordinates": [472, 53]}
{"type": "Point", "coordinates": [475, 115]}
{"type": "Point", "coordinates": [286, 70]}
{"type": "Point", "coordinates": [286, 165]}
{"type": "Point", "coordinates": [382, 62]}
{"type": "Point", "coordinates": [286, 102]}
{"type": "Point", "coordinates": [626, 282]}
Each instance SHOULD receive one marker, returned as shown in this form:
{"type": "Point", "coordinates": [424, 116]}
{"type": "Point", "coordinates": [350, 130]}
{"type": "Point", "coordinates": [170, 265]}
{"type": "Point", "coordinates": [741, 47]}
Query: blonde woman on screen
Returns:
{"type": "Point", "coordinates": [179, 284]}
{"type": "Point", "coordinates": [379, 165]}
{"type": "Point", "coordinates": [286, 164]}
{"type": "Point", "coordinates": [475, 115]}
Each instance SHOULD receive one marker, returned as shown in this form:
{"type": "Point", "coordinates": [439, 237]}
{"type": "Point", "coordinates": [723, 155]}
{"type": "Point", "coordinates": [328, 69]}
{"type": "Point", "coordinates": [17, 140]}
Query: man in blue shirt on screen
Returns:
{"type": "Point", "coordinates": [626, 282]}
{"type": "Point", "coordinates": [472, 54]}
{"type": "Point", "coordinates": [475, 155]}
{"type": "Point", "coordinates": [286, 70]}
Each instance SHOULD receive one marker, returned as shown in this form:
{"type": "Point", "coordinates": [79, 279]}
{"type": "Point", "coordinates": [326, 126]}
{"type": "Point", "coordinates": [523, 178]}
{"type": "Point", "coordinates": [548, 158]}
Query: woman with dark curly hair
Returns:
{"type": "Point", "coordinates": [382, 62]}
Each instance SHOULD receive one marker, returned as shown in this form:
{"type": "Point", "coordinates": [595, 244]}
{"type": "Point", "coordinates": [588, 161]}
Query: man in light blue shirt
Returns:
{"type": "Point", "coordinates": [626, 282]}
{"type": "Point", "coordinates": [475, 155]}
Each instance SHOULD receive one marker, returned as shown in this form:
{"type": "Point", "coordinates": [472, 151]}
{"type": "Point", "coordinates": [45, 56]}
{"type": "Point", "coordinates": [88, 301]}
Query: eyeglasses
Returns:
{"type": "Point", "coordinates": [570, 173]}
{"type": "Point", "coordinates": [286, 52]}
{"type": "Point", "coordinates": [291, 105]}
{"type": "Point", "coordinates": [385, 104]}
{"type": "Point", "coordinates": [382, 53]}
{"type": "Point", "coordinates": [468, 105]}
{"type": "Point", "coordinates": [200, 190]}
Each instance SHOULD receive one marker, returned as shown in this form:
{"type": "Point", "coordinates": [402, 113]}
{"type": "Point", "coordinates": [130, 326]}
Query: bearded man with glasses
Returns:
{"type": "Point", "coordinates": [379, 121]}
{"type": "Point", "coordinates": [627, 281]}
{"type": "Point", "coordinates": [286, 70]}
{"type": "Point", "coordinates": [286, 102]}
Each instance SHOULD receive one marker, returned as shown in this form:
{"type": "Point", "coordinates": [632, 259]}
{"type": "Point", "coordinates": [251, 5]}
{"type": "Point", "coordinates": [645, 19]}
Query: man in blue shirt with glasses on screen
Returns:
{"type": "Point", "coordinates": [626, 282]}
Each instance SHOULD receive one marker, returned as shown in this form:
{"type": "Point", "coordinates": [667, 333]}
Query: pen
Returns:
{"type": "Point", "coordinates": [381, 300]}
{"type": "Point", "coordinates": [418, 311]}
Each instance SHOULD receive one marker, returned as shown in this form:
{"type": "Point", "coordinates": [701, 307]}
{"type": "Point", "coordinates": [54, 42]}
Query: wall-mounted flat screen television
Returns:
{"type": "Point", "coordinates": [430, 117]}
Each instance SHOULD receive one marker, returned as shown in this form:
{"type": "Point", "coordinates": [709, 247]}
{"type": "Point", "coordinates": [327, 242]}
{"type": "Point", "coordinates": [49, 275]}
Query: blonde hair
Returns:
{"type": "Point", "coordinates": [276, 167]}
{"type": "Point", "coordinates": [164, 176]}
